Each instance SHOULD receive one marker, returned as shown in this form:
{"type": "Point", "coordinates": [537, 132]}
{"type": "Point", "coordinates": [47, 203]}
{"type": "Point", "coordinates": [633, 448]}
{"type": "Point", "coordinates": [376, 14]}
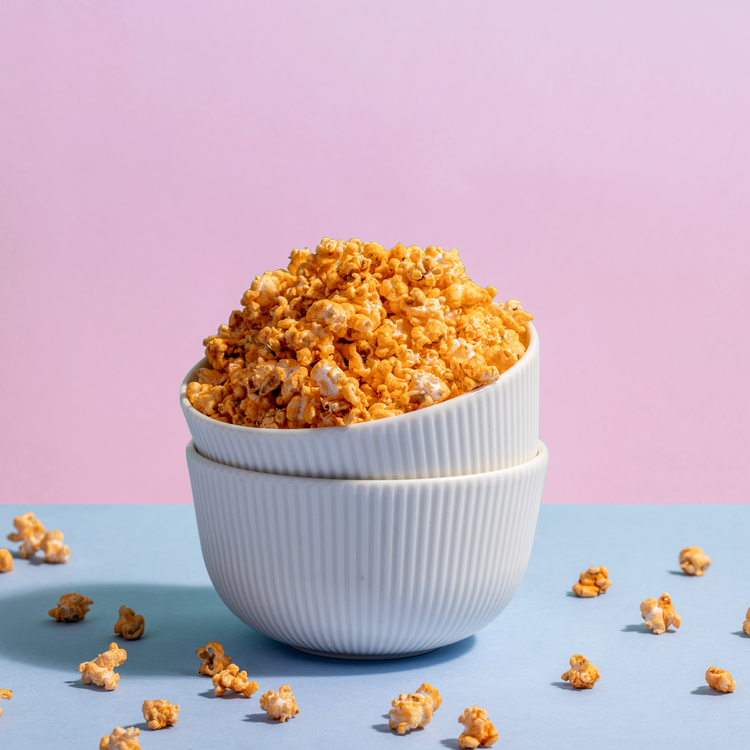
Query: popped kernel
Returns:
{"type": "Point", "coordinates": [7, 694]}
{"type": "Point", "coordinates": [129, 625]}
{"type": "Point", "coordinates": [100, 671]}
{"type": "Point", "coordinates": [592, 582]}
{"type": "Point", "coordinates": [353, 332]}
{"type": "Point", "coordinates": [659, 614]}
{"type": "Point", "coordinates": [6, 561]}
{"type": "Point", "coordinates": [232, 679]}
{"type": "Point", "coordinates": [693, 561]}
{"type": "Point", "coordinates": [746, 624]}
{"type": "Point", "coordinates": [29, 531]}
{"type": "Point", "coordinates": [720, 679]}
{"type": "Point", "coordinates": [54, 549]}
{"type": "Point", "coordinates": [213, 658]}
{"type": "Point", "coordinates": [121, 739]}
{"type": "Point", "coordinates": [281, 705]}
{"type": "Point", "coordinates": [71, 607]}
{"type": "Point", "coordinates": [479, 731]}
{"type": "Point", "coordinates": [160, 714]}
{"type": "Point", "coordinates": [581, 674]}
{"type": "Point", "coordinates": [414, 711]}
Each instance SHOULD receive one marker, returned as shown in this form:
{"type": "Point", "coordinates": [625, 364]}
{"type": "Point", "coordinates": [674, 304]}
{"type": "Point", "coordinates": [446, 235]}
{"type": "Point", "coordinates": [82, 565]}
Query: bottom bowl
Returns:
{"type": "Point", "coordinates": [366, 569]}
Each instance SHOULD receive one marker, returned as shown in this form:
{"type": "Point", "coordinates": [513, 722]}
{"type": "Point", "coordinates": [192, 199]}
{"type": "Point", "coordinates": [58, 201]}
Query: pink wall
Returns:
{"type": "Point", "coordinates": [590, 158]}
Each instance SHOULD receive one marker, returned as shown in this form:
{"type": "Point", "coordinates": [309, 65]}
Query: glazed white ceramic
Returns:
{"type": "Point", "coordinates": [493, 427]}
{"type": "Point", "coordinates": [366, 569]}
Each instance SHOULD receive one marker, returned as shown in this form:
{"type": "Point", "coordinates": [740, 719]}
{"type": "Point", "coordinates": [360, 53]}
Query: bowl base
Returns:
{"type": "Point", "coordinates": [364, 657]}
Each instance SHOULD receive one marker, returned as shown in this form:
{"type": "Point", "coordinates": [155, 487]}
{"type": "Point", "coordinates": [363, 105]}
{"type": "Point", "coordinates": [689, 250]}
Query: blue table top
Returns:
{"type": "Point", "coordinates": [652, 688]}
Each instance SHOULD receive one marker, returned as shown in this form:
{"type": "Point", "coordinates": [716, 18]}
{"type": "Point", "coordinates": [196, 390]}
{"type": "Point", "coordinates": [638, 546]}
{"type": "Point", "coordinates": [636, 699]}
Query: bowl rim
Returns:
{"type": "Point", "coordinates": [190, 410]}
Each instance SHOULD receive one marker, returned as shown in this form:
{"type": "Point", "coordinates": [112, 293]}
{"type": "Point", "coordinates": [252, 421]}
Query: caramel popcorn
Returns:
{"type": "Point", "coordinates": [720, 679]}
{"type": "Point", "coordinates": [659, 614]}
{"type": "Point", "coordinates": [54, 549]}
{"type": "Point", "coordinates": [6, 561]}
{"type": "Point", "coordinates": [479, 730]}
{"type": "Point", "coordinates": [581, 674]}
{"type": "Point", "coordinates": [7, 694]}
{"type": "Point", "coordinates": [129, 625]}
{"type": "Point", "coordinates": [693, 561]}
{"type": "Point", "coordinates": [353, 332]}
{"type": "Point", "coordinates": [213, 658]}
{"type": "Point", "coordinates": [30, 532]}
{"type": "Point", "coordinates": [160, 714]}
{"type": "Point", "coordinates": [121, 739]}
{"type": "Point", "coordinates": [100, 671]}
{"type": "Point", "coordinates": [232, 679]}
{"type": "Point", "coordinates": [592, 582]}
{"type": "Point", "coordinates": [414, 710]}
{"type": "Point", "coordinates": [71, 607]}
{"type": "Point", "coordinates": [746, 624]}
{"type": "Point", "coordinates": [281, 705]}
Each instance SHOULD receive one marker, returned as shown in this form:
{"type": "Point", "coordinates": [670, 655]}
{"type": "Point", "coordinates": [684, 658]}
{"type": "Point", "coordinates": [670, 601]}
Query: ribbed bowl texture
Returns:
{"type": "Point", "coordinates": [494, 427]}
{"type": "Point", "coordinates": [366, 569]}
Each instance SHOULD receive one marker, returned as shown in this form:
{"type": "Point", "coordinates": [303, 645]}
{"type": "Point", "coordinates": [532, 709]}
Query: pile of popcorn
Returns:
{"type": "Point", "coordinates": [353, 332]}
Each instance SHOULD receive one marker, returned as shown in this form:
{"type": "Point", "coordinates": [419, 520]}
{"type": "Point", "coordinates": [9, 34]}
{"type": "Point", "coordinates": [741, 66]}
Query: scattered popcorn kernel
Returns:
{"type": "Point", "coordinates": [160, 714]}
{"type": "Point", "coordinates": [71, 607]}
{"type": "Point", "coordinates": [693, 561]}
{"type": "Point", "coordinates": [720, 679]}
{"type": "Point", "coordinates": [54, 549]}
{"type": "Point", "coordinates": [479, 730]}
{"type": "Point", "coordinates": [659, 614]}
{"type": "Point", "coordinates": [232, 679]}
{"type": "Point", "coordinates": [121, 739]}
{"type": "Point", "coordinates": [581, 674]}
{"type": "Point", "coordinates": [6, 561]}
{"type": "Point", "coordinates": [213, 658]}
{"type": "Point", "coordinates": [7, 694]}
{"type": "Point", "coordinates": [414, 710]}
{"type": "Point", "coordinates": [592, 582]}
{"type": "Point", "coordinates": [746, 624]}
{"type": "Point", "coordinates": [100, 671]}
{"type": "Point", "coordinates": [30, 532]}
{"type": "Point", "coordinates": [130, 625]}
{"type": "Point", "coordinates": [281, 705]}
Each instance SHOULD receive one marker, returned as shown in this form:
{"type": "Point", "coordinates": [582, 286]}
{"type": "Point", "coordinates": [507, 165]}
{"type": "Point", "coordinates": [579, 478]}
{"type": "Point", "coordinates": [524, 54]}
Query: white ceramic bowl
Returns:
{"type": "Point", "coordinates": [366, 569]}
{"type": "Point", "coordinates": [493, 427]}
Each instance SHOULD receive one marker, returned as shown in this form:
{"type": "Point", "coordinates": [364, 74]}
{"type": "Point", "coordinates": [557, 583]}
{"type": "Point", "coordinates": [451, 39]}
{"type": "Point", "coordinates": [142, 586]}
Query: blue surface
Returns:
{"type": "Point", "coordinates": [652, 688]}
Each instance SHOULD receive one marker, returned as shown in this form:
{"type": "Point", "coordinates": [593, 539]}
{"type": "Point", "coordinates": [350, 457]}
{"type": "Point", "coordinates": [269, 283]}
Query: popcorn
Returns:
{"type": "Point", "coordinates": [746, 624]}
{"type": "Point", "coordinates": [213, 658]}
{"type": "Point", "coordinates": [414, 711]}
{"type": "Point", "coordinates": [121, 739]}
{"type": "Point", "coordinates": [720, 679]}
{"type": "Point", "coordinates": [7, 694]}
{"type": "Point", "coordinates": [693, 561]}
{"type": "Point", "coordinates": [592, 582]}
{"type": "Point", "coordinates": [100, 671]}
{"type": "Point", "coordinates": [6, 561]}
{"type": "Point", "coordinates": [30, 532]}
{"type": "Point", "coordinates": [129, 625]}
{"type": "Point", "coordinates": [353, 332]}
{"type": "Point", "coordinates": [71, 607]}
{"type": "Point", "coordinates": [160, 714]}
{"type": "Point", "coordinates": [54, 549]}
{"type": "Point", "coordinates": [232, 679]}
{"type": "Point", "coordinates": [581, 674]}
{"type": "Point", "coordinates": [479, 730]}
{"type": "Point", "coordinates": [659, 615]}
{"type": "Point", "coordinates": [281, 705]}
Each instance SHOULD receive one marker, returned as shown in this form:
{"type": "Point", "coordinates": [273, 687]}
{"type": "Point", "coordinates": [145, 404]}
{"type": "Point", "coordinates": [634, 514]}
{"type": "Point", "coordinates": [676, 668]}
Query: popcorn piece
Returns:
{"type": "Point", "coordinates": [581, 674]}
{"type": "Point", "coordinates": [130, 625]}
{"type": "Point", "coordinates": [160, 714]}
{"type": "Point", "coordinates": [232, 679]}
{"type": "Point", "coordinates": [414, 711]}
{"type": "Point", "coordinates": [71, 607]}
{"type": "Point", "coordinates": [30, 532]}
{"type": "Point", "coordinates": [7, 694]}
{"type": "Point", "coordinates": [659, 614]}
{"type": "Point", "coordinates": [479, 730]}
{"type": "Point", "coordinates": [6, 561]}
{"type": "Point", "coordinates": [592, 582]}
{"type": "Point", "coordinates": [121, 739]}
{"type": "Point", "coordinates": [100, 671]}
{"type": "Point", "coordinates": [746, 624]}
{"type": "Point", "coordinates": [281, 705]}
{"type": "Point", "coordinates": [213, 658]}
{"type": "Point", "coordinates": [720, 679]}
{"type": "Point", "coordinates": [54, 549]}
{"type": "Point", "coordinates": [693, 561]}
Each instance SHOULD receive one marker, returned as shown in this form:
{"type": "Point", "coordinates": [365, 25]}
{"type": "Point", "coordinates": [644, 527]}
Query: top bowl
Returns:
{"type": "Point", "coordinates": [491, 428]}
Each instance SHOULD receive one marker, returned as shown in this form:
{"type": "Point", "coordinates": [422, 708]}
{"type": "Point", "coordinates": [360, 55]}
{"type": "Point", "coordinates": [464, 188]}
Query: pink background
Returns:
{"type": "Point", "coordinates": [589, 158]}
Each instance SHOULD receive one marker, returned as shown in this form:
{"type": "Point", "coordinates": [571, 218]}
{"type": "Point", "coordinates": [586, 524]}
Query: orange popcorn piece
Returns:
{"type": "Point", "coordinates": [281, 705]}
{"type": "Point", "coordinates": [746, 624]}
{"type": "Point", "coordinates": [659, 614]}
{"type": "Point", "coordinates": [129, 625]}
{"type": "Point", "coordinates": [592, 582]}
{"type": "Point", "coordinates": [6, 561]}
{"type": "Point", "coordinates": [479, 730]}
{"type": "Point", "coordinates": [71, 607]}
{"type": "Point", "coordinates": [232, 679]}
{"type": "Point", "coordinates": [160, 714]}
{"type": "Point", "coordinates": [54, 549]}
{"type": "Point", "coordinates": [7, 694]}
{"type": "Point", "coordinates": [414, 711]}
{"type": "Point", "coordinates": [693, 561]}
{"type": "Point", "coordinates": [213, 658]}
{"type": "Point", "coordinates": [720, 679]}
{"type": "Point", "coordinates": [100, 671]}
{"type": "Point", "coordinates": [121, 739]}
{"type": "Point", "coordinates": [29, 531]}
{"type": "Point", "coordinates": [581, 674]}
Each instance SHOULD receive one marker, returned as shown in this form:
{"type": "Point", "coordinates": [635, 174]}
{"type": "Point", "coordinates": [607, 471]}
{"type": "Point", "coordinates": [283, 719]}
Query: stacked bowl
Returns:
{"type": "Point", "coordinates": [376, 540]}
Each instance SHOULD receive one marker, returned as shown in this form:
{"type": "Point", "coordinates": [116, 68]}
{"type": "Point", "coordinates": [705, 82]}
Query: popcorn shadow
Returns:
{"type": "Point", "coordinates": [452, 743]}
{"type": "Point", "coordinates": [678, 573]}
{"type": "Point", "coordinates": [262, 719]}
{"type": "Point", "coordinates": [143, 726]}
{"type": "Point", "coordinates": [566, 686]}
{"type": "Point", "coordinates": [706, 690]}
{"type": "Point", "coordinates": [383, 728]}
{"type": "Point", "coordinates": [640, 628]}
{"type": "Point", "coordinates": [740, 633]}
{"type": "Point", "coordinates": [80, 685]}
